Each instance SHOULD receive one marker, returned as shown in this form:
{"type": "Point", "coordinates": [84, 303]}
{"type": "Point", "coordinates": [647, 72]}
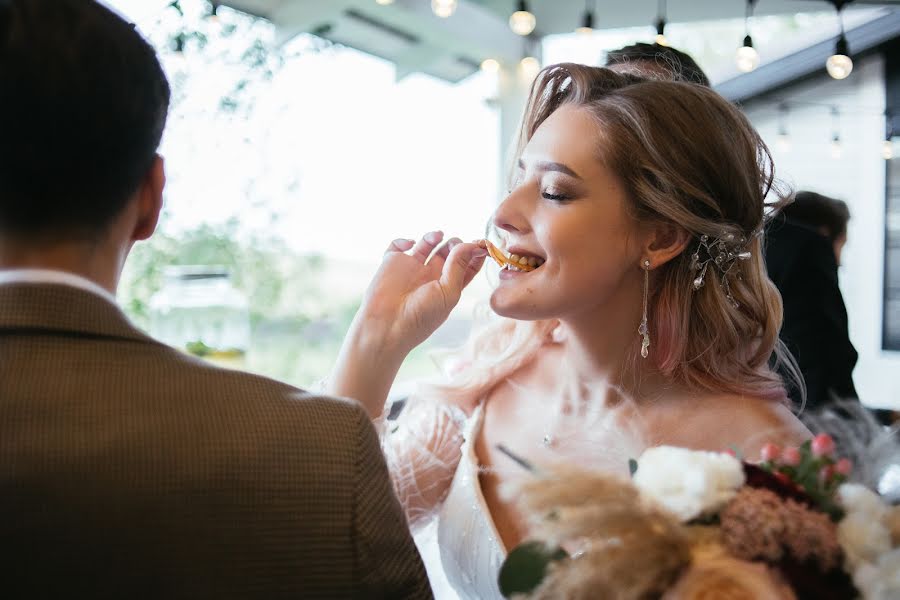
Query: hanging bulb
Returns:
{"type": "Point", "coordinates": [214, 12]}
{"type": "Point", "coordinates": [587, 24]}
{"type": "Point", "coordinates": [783, 142]}
{"type": "Point", "coordinates": [836, 150]}
{"type": "Point", "coordinates": [529, 67]}
{"type": "Point", "coordinates": [747, 58]}
{"type": "Point", "coordinates": [522, 21]}
{"type": "Point", "coordinates": [887, 150]}
{"type": "Point", "coordinates": [384, 2]}
{"type": "Point", "coordinates": [490, 65]}
{"type": "Point", "coordinates": [839, 66]}
{"type": "Point", "coordinates": [661, 32]}
{"type": "Point", "coordinates": [443, 8]}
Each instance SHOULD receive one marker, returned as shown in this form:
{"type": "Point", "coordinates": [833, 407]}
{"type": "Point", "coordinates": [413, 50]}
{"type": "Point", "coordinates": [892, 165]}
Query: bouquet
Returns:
{"type": "Point", "coordinates": [706, 525]}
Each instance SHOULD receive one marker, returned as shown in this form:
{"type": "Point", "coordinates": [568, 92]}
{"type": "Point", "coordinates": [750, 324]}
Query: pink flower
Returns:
{"type": "Point", "coordinates": [826, 473]}
{"type": "Point", "coordinates": [770, 452]}
{"type": "Point", "coordinates": [822, 445]}
{"type": "Point", "coordinates": [843, 466]}
{"type": "Point", "coordinates": [790, 456]}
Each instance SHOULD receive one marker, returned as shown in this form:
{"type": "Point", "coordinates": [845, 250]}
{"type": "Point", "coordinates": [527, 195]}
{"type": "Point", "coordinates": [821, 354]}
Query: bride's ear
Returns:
{"type": "Point", "coordinates": [664, 242]}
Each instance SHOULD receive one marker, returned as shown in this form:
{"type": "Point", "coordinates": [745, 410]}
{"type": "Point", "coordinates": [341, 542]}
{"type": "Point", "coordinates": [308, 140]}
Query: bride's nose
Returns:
{"type": "Point", "coordinates": [510, 215]}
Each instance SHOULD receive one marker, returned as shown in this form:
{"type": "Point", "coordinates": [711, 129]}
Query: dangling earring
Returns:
{"type": "Point", "coordinates": [643, 330]}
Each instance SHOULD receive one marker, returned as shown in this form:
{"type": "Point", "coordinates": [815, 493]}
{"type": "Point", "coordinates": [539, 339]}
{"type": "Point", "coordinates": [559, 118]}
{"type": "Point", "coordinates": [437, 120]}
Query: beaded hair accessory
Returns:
{"type": "Point", "coordinates": [722, 252]}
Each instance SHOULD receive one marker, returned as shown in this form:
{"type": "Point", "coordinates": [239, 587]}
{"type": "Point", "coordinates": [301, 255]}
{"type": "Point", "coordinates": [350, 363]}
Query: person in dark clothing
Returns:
{"type": "Point", "coordinates": [803, 252]}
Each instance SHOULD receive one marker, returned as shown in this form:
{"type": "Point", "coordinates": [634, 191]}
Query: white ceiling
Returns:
{"type": "Point", "coordinates": [410, 35]}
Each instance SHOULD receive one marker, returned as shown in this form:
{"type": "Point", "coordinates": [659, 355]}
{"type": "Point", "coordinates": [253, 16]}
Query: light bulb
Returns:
{"type": "Point", "coordinates": [661, 40]}
{"type": "Point", "coordinates": [747, 58]}
{"type": "Point", "coordinates": [887, 150]}
{"type": "Point", "coordinates": [529, 67]}
{"type": "Point", "coordinates": [443, 8]}
{"type": "Point", "coordinates": [490, 65]}
{"type": "Point", "coordinates": [522, 22]}
{"type": "Point", "coordinates": [587, 24]}
{"type": "Point", "coordinates": [836, 147]}
{"type": "Point", "coordinates": [839, 66]}
{"type": "Point", "coordinates": [783, 142]}
{"type": "Point", "coordinates": [384, 2]}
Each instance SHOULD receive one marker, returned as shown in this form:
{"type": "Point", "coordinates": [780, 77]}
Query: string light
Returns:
{"type": "Point", "coordinates": [839, 65]}
{"type": "Point", "coordinates": [529, 67]}
{"type": "Point", "coordinates": [384, 2]}
{"type": "Point", "coordinates": [490, 65]}
{"type": "Point", "coordinates": [836, 149]}
{"type": "Point", "coordinates": [747, 57]}
{"type": "Point", "coordinates": [784, 139]}
{"type": "Point", "coordinates": [587, 21]}
{"type": "Point", "coordinates": [443, 8]}
{"type": "Point", "coordinates": [661, 24]}
{"type": "Point", "coordinates": [523, 20]}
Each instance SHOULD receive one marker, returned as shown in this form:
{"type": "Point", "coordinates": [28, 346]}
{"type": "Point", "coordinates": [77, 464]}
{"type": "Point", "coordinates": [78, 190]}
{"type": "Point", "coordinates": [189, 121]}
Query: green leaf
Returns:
{"type": "Point", "coordinates": [525, 567]}
{"type": "Point", "coordinates": [632, 466]}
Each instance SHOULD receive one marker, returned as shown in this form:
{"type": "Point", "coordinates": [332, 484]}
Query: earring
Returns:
{"type": "Point", "coordinates": [643, 330]}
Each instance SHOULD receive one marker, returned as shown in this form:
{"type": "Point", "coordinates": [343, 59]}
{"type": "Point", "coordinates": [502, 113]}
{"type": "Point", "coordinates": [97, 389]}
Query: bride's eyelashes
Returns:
{"type": "Point", "coordinates": [555, 195]}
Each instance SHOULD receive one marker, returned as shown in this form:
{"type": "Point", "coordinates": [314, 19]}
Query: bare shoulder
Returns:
{"type": "Point", "coordinates": [717, 422]}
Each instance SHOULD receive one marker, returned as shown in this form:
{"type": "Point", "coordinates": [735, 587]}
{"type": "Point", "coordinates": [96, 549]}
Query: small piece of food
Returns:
{"type": "Point", "coordinates": [513, 261]}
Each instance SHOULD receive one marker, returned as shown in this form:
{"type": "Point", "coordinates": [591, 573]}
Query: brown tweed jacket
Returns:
{"type": "Point", "coordinates": [129, 470]}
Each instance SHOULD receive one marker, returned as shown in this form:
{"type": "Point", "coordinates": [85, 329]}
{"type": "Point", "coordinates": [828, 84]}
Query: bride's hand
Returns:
{"type": "Point", "coordinates": [409, 297]}
{"type": "Point", "coordinates": [413, 293]}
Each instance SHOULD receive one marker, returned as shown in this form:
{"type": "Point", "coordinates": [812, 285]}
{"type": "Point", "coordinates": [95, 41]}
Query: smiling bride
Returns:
{"type": "Point", "coordinates": [633, 310]}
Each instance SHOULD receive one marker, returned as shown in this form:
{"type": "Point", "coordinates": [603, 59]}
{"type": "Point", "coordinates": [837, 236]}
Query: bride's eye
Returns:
{"type": "Point", "coordinates": [555, 195]}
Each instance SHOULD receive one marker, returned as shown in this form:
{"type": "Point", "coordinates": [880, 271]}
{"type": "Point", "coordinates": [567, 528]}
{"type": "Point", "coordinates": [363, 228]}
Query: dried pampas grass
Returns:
{"type": "Point", "coordinates": [622, 547]}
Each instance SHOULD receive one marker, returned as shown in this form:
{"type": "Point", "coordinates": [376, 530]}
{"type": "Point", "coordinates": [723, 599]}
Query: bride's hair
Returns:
{"type": "Point", "coordinates": [688, 157]}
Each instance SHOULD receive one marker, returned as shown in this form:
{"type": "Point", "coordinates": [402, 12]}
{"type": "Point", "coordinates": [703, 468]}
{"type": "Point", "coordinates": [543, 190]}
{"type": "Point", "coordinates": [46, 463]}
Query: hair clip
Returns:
{"type": "Point", "coordinates": [724, 253]}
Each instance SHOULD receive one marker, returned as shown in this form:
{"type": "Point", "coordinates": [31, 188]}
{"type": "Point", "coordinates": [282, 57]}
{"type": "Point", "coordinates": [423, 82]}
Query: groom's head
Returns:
{"type": "Point", "coordinates": [83, 103]}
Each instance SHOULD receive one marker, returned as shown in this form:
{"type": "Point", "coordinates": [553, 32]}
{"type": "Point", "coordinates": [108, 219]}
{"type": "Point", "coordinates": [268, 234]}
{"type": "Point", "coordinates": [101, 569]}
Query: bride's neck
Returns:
{"type": "Point", "coordinates": [608, 353]}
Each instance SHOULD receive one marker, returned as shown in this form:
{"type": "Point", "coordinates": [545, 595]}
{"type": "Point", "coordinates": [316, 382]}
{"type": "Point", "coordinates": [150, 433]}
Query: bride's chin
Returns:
{"type": "Point", "coordinates": [512, 309]}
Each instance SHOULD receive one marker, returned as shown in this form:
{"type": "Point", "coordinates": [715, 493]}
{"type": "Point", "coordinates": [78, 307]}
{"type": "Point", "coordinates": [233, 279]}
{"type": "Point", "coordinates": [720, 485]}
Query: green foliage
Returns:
{"type": "Point", "coordinates": [260, 267]}
{"type": "Point", "coordinates": [526, 566]}
{"type": "Point", "coordinates": [808, 476]}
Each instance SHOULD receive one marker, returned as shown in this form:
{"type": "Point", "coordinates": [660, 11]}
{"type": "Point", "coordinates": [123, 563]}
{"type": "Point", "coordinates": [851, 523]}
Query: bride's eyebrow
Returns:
{"type": "Point", "coordinates": [551, 166]}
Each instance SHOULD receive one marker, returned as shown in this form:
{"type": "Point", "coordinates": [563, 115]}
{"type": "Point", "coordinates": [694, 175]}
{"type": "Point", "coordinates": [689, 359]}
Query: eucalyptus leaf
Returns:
{"type": "Point", "coordinates": [525, 567]}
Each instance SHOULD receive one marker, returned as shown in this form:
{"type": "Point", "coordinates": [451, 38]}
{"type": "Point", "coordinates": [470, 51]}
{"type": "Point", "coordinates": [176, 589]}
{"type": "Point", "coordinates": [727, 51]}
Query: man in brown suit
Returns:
{"type": "Point", "coordinates": [127, 469]}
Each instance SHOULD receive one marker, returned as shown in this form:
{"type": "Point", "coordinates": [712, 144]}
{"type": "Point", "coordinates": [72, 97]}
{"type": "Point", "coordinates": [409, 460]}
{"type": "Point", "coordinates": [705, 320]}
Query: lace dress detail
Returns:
{"type": "Point", "coordinates": [422, 450]}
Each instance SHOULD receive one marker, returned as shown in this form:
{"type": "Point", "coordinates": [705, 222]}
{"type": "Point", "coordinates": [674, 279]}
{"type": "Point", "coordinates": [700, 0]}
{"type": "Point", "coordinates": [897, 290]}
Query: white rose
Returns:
{"type": "Point", "coordinates": [856, 498]}
{"type": "Point", "coordinates": [688, 483]}
{"type": "Point", "coordinates": [880, 581]}
{"type": "Point", "coordinates": [863, 539]}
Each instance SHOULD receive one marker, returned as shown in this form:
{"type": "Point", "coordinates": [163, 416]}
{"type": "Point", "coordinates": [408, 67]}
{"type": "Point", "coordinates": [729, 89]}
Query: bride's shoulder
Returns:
{"type": "Point", "coordinates": [721, 421]}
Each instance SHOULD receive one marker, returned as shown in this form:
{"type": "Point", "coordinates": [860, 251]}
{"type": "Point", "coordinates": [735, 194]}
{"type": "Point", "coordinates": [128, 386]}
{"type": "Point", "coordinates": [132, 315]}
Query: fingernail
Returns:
{"type": "Point", "coordinates": [433, 237]}
{"type": "Point", "coordinates": [478, 253]}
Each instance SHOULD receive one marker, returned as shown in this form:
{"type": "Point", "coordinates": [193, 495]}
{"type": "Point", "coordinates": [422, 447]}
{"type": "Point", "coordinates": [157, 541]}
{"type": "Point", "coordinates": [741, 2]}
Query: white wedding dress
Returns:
{"type": "Point", "coordinates": [431, 456]}
{"type": "Point", "coordinates": [470, 548]}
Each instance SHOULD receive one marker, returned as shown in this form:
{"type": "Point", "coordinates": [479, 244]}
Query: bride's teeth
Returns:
{"type": "Point", "coordinates": [514, 258]}
{"type": "Point", "coordinates": [523, 260]}
{"type": "Point", "coordinates": [532, 262]}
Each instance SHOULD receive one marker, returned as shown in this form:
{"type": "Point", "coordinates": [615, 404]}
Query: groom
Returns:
{"type": "Point", "coordinates": [127, 469]}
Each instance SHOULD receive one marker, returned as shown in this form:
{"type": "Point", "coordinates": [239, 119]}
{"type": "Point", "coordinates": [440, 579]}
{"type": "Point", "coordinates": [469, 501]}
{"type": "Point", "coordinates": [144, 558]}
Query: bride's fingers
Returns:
{"type": "Point", "coordinates": [440, 255]}
{"type": "Point", "coordinates": [424, 247]}
{"type": "Point", "coordinates": [400, 245]}
{"type": "Point", "coordinates": [464, 261]}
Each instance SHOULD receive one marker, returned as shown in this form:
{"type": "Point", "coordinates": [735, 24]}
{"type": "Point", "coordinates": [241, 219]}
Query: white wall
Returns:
{"type": "Point", "coordinates": [858, 178]}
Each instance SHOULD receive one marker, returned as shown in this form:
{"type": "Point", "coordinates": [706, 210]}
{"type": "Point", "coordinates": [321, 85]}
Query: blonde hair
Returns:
{"type": "Point", "coordinates": [686, 157]}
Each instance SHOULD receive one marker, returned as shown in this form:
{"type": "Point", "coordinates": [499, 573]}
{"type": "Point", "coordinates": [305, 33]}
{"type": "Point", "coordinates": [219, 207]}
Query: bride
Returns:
{"type": "Point", "coordinates": [641, 316]}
